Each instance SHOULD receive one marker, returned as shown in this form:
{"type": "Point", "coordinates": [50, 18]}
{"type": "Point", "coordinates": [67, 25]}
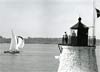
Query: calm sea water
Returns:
{"type": "Point", "coordinates": [33, 58]}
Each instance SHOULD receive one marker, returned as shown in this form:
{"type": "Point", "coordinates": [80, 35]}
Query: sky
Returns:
{"type": "Point", "coordinates": [45, 18]}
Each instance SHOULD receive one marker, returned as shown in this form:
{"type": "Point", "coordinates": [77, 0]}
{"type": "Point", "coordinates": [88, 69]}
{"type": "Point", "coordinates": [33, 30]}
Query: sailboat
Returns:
{"type": "Point", "coordinates": [17, 42]}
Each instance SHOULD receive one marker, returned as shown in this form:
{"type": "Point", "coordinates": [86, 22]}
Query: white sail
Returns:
{"type": "Point", "coordinates": [20, 42]}
{"type": "Point", "coordinates": [16, 42]}
{"type": "Point", "coordinates": [13, 42]}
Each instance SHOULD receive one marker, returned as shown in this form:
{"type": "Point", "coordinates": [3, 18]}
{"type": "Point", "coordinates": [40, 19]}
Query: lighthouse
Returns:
{"type": "Point", "coordinates": [78, 55]}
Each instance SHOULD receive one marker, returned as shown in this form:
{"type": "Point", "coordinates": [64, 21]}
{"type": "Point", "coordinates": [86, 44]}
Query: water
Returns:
{"type": "Point", "coordinates": [33, 58]}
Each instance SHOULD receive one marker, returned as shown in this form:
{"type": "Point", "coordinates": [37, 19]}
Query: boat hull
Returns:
{"type": "Point", "coordinates": [12, 52]}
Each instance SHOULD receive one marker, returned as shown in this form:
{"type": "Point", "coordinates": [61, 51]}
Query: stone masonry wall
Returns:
{"type": "Point", "coordinates": [77, 59]}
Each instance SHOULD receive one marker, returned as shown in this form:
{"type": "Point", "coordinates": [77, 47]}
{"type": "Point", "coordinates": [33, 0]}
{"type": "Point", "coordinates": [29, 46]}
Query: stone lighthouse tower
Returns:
{"type": "Point", "coordinates": [78, 55]}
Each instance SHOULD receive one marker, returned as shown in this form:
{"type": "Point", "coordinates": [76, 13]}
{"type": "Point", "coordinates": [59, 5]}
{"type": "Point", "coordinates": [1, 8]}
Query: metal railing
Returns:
{"type": "Point", "coordinates": [72, 41]}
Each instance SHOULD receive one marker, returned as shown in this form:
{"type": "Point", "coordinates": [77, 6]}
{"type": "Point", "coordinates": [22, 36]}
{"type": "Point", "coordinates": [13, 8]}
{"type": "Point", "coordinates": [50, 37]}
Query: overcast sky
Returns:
{"type": "Point", "coordinates": [45, 18]}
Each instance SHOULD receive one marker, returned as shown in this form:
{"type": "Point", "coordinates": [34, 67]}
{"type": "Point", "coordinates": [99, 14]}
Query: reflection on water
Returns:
{"type": "Point", "coordinates": [33, 58]}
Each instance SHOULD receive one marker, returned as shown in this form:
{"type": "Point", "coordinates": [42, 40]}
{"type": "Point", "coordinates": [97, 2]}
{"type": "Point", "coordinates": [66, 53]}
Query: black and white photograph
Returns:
{"type": "Point", "coordinates": [49, 36]}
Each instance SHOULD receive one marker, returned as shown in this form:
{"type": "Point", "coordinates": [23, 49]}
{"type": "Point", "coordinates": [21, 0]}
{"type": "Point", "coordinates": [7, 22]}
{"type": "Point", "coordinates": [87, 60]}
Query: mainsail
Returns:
{"type": "Point", "coordinates": [13, 43]}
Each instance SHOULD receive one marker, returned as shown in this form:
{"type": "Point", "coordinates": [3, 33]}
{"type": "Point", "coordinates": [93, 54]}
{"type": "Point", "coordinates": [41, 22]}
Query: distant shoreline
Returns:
{"type": "Point", "coordinates": [40, 40]}
{"type": "Point", "coordinates": [35, 40]}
